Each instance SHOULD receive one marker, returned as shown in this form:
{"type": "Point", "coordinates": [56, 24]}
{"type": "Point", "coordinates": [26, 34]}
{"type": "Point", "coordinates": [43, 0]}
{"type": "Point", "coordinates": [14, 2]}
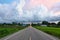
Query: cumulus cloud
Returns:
{"type": "Point", "coordinates": [38, 13]}
{"type": "Point", "coordinates": [12, 12]}
{"type": "Point", "coordinates": [55, 12]}
{"type": "Point", "coordinates": [56, 7]}
{"type": "Point", "coordinates": [17, 12]}
{"type": "Point", "coordinates": [8, 13]}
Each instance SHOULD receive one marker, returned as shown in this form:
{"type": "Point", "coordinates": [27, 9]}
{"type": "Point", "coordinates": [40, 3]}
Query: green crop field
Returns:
{"type": "Point", "coordinates": [4, 31]}
{"type": "Point", "coordinates": [50, 30]}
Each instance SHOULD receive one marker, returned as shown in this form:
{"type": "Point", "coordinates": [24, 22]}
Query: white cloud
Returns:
{"type": "Point", "coordinates": [37, 13]}
{"type": "Point", "coordinates": [16, 11]}
{"type": "Point", "coordinates": [56, 7]}
{"type": "Point", "coordinates": [55, 12]}
{"type": "Point", "coordinates": [8, 13]}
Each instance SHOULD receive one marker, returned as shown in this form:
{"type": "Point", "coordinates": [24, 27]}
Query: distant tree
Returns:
{"type": "Point", "coordinates": [45, 23]}
{"type": "Point", "coordinates": [4, 23]}
{"type": "Point", "coordinates": [38, 24]}
{"type": "Point", "coordinates": [58, 24]}
{"type": "Point", "coordinates": [18, 23]}
{"type": "Point", "coordinates": [53, 24]}
{"type": "Point", "coordinates": [48, 24]}
{"type": "Point", "coordinates": [34, 24]}
{"type": "Point", "coordinates": [14, 23]}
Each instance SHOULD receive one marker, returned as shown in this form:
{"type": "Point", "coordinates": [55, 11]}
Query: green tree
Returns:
{"type": "Point", "coordinates": [58, 24]}
{"type": "Point", "coordinates": [44, 22]}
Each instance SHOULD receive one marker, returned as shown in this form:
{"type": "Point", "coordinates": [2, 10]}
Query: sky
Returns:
{"type": "Point", "coordinates": [29, 10]}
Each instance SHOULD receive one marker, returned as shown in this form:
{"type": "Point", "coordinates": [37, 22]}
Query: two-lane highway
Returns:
{"type": "Point", "coordinates": [30, 33]}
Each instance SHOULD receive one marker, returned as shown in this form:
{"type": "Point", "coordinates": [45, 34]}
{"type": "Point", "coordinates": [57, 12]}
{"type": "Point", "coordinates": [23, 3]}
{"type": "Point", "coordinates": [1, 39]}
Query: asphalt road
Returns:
{"type": "Point", "coordinates": [30, 33]}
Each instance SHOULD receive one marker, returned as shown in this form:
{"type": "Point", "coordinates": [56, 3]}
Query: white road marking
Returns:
{"type": "Point", "coordinates": [30, 38]}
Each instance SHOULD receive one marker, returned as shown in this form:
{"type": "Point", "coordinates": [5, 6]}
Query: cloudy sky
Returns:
{"type": "Point", "coordinates": [29, 10]}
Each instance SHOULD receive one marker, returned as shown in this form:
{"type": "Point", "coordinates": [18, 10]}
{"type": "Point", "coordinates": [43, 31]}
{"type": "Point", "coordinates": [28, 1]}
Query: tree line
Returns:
{"type": "Point", "coordinates": [15, 24]}
{"type": "Point", "coordinates": [48, 24]}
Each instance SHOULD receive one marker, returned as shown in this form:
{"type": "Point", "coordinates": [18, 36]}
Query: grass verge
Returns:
{"type": "Point", "coordinates": [50, 30]}
{"type": "Point", "coordinates": [4, 31]}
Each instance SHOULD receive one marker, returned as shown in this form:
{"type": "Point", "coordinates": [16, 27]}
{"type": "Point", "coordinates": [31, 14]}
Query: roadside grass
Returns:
{"type": "Point", "coordinates": [4, 31]}
{"type": "Point", "coordinates": [50, 30]}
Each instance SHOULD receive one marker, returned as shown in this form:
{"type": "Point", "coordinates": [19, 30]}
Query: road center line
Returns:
{"type": "Point", "coordinates": [30, 38]}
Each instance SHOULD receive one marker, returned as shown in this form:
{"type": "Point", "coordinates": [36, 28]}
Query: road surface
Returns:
{"type": "Point", "coordinates": [30, 33]}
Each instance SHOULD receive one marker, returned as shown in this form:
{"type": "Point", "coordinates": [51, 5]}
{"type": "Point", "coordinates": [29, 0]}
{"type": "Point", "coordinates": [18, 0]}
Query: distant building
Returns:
{"type": "Point", "coordinates": [44, 25]}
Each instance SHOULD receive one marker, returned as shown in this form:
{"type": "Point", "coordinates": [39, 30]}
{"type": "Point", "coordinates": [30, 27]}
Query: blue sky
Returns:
{"type": "Point", "coordinates": [22, 10]}
{"type": "Point", "coordinates": [6, 1]}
